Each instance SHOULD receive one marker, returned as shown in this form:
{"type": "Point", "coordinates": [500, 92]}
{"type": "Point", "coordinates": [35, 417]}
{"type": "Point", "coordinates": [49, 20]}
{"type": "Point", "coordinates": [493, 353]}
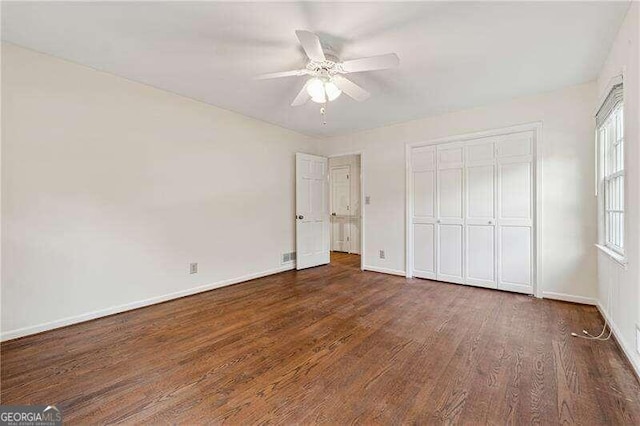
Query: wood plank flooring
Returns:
{"type": "Point", "coordinates": [330, 345]}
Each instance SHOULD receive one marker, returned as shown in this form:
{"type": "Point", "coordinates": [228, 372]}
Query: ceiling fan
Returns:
{"type": "Point", "coordinates": [326, 72]}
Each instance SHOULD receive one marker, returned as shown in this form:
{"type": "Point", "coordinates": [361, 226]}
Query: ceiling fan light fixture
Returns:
{"type": "Point", "coordinates": [322, 90]}
{"type": "Point", "coordinates": [332, 91]}
{"type": "Point", "coordinates": [315, 89]}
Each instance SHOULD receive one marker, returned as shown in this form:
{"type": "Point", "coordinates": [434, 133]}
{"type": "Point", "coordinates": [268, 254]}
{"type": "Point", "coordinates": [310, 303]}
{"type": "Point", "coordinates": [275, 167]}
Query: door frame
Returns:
{"type": "Point", "coordinates": [362, 198]}
{"type": "Point", "coordinates": [536, 127]}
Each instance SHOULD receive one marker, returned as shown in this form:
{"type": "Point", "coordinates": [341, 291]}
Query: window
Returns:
{"type": "Point", "coordinates": [611, 143]}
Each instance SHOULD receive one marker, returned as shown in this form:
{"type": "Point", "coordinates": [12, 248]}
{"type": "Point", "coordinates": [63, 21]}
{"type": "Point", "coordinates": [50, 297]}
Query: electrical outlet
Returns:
{"type": "Point", "coordinates": [193, 268]}
{"type": "Point", "coordinates": [367, 199]}
{"type": "Point", "coordinates": [382, 255]}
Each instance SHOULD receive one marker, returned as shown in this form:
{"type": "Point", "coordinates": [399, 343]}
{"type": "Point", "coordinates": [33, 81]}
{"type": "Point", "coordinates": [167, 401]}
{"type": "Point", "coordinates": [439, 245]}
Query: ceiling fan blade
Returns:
{"type": "Point", "coordinates": [302, 96]}
{"type": "Point", "coordinates": [281, 74]}
{"type": "Point", "coordinates": [372, 63]}
{"type": "Point", "coordinates": [311, 45]}
{"type": "Point", "coordinates": [350, 88]}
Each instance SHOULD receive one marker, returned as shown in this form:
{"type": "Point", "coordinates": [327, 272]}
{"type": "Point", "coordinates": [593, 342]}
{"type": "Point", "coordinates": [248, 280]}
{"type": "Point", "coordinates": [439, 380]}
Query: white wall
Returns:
{"type": "Point", "coordinates": [111, 188]}
{"type": "Point", "coordinates": [569, 218]}
{"type": "Point", "coordinates": [619, 288]}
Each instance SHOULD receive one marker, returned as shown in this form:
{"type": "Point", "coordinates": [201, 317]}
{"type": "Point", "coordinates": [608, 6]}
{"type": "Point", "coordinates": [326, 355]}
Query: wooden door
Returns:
{"type": "Point", "coordinates": [312, 211]}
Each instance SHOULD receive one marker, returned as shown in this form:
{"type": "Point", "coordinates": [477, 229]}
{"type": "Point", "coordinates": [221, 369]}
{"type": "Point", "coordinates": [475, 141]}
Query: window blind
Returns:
{"type": "Point", "coordinates": [613, 98]}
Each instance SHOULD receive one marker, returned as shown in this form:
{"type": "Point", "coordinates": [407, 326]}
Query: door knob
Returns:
{"type": "Point", "coordinates": [490, 222]}
{"type": "Point", "coordinates": [333, 214]}
{"type": "Point", "coordinates": [300, 217]}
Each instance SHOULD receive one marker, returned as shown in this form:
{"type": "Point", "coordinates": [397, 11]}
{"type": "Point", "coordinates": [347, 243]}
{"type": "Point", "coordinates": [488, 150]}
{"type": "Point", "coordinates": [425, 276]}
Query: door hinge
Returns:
{"type": "Point", "coordinates": [347, 207]}
{"type": "Point", "coordinates": [347, 176]}
{"type": "Point", "coordinates": [347, 239]}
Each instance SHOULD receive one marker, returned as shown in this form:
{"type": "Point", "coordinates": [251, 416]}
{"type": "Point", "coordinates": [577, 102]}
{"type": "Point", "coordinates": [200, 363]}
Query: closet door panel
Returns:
{"type": "Point", "coordinates": [515, 213]}
{"type": "Point", "coordinates": [450, 246]}
{"type": "Point", "coordinates": [450, 155]}
{"type": "Point", "coordinates": [424, 193]}
{"type": "Point", "coordinates": [450, 193]}
{"type": "Point", "coordinates": [424, 250]}
{"type": "Point", "coordinates": [515, 145]}
{"type": "Point", "coordinates": [515, 192]}
{"type": "Point", "coordinates": [481, 190]}
{"type": "Point", "coordinates": [450, 216]}
{"type": "Point", "coordinates": [480, 152]}
{"type": "Point", "coordinates": [481, 255]}
{"type": "Point", "coordinates": [480, 230]}
{"type": "Point", "coordinates": [423, 211]}
{"type": "Point", "coordinates": [515, 269]}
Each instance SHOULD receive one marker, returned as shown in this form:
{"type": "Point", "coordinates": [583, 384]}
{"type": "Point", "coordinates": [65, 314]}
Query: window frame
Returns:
{"type": "Point", "coordinates": [610, 138]}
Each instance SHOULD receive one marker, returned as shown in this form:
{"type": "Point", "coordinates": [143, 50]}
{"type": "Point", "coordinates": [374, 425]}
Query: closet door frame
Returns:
{"type": "Point", "coordinates": [536, 128]}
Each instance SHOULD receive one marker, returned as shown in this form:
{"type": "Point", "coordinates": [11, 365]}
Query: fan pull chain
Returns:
{"type": "Point", "coordinates": [323, 111]}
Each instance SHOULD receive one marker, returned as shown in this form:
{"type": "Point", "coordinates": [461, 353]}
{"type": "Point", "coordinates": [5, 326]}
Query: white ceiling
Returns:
{"type": "Point", "coordinates": [452, 55]}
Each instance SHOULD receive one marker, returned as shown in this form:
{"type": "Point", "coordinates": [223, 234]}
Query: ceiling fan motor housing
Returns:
{"type": "Point", "coordinates": [325, 69]}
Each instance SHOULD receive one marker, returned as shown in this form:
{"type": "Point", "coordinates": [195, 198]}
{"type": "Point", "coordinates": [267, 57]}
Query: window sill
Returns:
{"type": "Point", "coordinates": [616, 257]}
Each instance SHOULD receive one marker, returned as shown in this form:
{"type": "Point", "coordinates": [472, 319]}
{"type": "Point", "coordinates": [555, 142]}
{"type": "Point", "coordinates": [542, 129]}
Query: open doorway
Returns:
{"type": "Point", "coordinates": [345, 196]}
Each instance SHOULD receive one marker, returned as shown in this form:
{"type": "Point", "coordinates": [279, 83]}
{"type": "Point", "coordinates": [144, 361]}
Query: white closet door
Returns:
{"type": "Point", "coordinates": [423, 215]}
{"type": "Point", "coordinates": [472, 212]}
{"type": "Point", "coordinates": [450, 207]}
{"type": "Point", "coordinates": [480, 247]}
{"type": "Point", "coordinates": [515, 212]}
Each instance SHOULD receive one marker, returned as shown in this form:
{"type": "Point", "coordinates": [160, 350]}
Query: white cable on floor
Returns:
{"type": "Point", "coordinates": [599, 337]}
{"type": "Point", "coordinates": [591, 337]}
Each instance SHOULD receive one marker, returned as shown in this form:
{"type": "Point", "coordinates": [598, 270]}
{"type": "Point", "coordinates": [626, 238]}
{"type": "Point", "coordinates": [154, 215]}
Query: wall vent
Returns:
{"type": "Point", "coordinates": [288, 257]}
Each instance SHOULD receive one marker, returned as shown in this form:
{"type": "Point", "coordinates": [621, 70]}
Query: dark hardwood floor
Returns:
{"type": "Point", "coordinates": [330, 345]}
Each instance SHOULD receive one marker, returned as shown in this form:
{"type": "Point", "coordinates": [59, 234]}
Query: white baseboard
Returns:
{"type": "Point", "coordinates": [628, 352]}
{"type": "Point", "coordinates": [21, 332]}
{"type": "Point", "coordinates": [569, 298]}
{"type": "Point", "coordinates": [384, 270]}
